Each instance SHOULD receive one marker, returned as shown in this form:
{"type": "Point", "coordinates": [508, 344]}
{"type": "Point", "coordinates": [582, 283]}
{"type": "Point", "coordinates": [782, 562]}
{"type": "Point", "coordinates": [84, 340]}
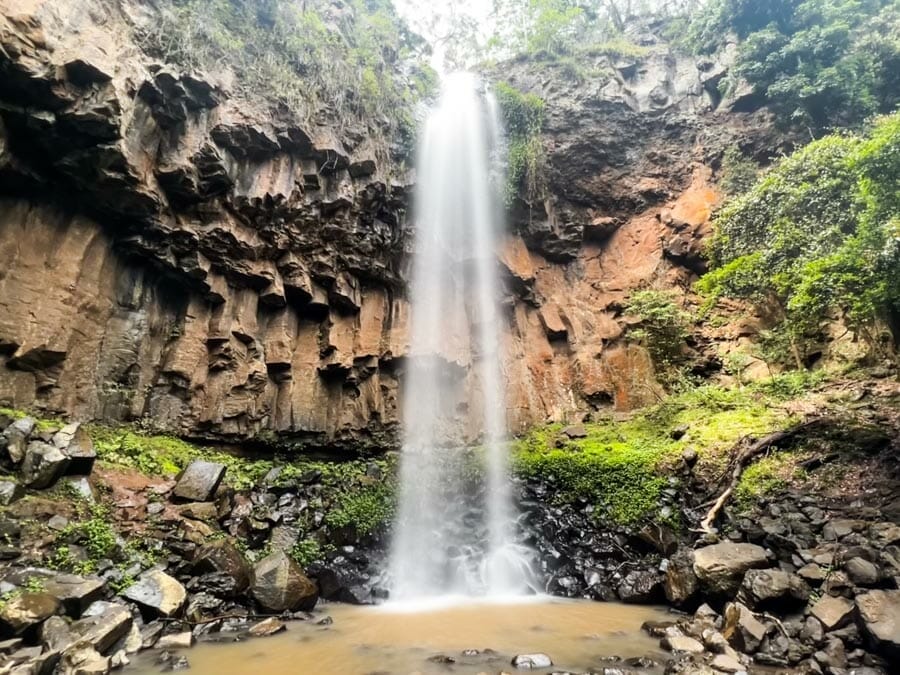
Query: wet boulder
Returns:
{"type": "Point", "coordinates": [721, 567]}
{"type": "Point", "coordinates": [223, 557]}
{"type": "Point", "coordinates": [880, 615]}
{"type": "Point", "coordinates": [43, 465]}
{"type": "Point", "coordinates": [199, 481]}
{"type": "Point", "coordinates": [279, 584]}
{"type": "Point", "coordinates": [156, 593]}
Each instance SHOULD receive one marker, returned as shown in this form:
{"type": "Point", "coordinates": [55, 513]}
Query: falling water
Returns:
{"type": "Point", "coordinates": [453, 539]}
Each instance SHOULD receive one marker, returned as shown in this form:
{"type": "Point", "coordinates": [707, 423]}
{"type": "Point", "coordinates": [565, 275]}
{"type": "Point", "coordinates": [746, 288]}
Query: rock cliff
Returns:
{"type": "Point", "coordinates": [173, 251]}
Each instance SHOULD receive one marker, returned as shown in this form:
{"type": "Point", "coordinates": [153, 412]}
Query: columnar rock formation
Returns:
{"type": "Point", "coordinates": [173, 251]}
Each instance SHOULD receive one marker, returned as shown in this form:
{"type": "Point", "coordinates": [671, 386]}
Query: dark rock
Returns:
{"type": "Point", "coordinates": [575, 431]}
{"type": "Point", "coordinates": [765, 588]}
{"type": "Point", "coordinates": [641, 587]}
{"type": "Point", "coordinates": [223, 557]}
{"type": "Point", "coordinates": [861, 572]}
{"type": "Point", "coordinates": [16, 436]}
{"type": "Point", "coordinates": [279, 584]}
{"type": "Point", "coordinates": [157, 594]}
{"type": "Point", "coordinates": [199, 481]}
{"type": "Point", "coordinates": [43, 465]}
{"type": "Point", "coordinates": [76, 444]}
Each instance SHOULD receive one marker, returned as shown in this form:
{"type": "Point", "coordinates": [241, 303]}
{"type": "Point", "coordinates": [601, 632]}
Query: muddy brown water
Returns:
{"type": "Point", "coordinates": [576, 634]}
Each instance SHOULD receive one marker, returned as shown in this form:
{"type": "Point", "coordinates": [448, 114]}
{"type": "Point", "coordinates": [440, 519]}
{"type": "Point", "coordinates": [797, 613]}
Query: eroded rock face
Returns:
{"type": "Point", "coordinates": [229, 271]}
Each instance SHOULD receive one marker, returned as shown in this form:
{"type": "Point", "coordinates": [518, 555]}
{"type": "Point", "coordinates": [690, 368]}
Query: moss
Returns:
{"type": "Point", "coordinates": [623, 466]}
{"type": "Point", "coordinates": [40, 423]}
{"type": "Point", "coordinates": [766, 476]}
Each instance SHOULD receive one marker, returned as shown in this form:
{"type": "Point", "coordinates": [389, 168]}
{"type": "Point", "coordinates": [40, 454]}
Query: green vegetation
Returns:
{"type": "Point", "coordinates": [523, 116]}
{"type": "Point", "coordinates": [818, 236]}
{"type": "Point", "coordinates": [819, 63]}
{"type": "Point", "coordinates": [662, 328]}
{"type": "Point", "coordinates": [738, 173]}
{"type": "Point", "coordinates": [766, 476]}
{"type": "Point", "coordinates": [40, 423]}
{"type": "Point", "coordinates": [307, 551]}
{"type": "Point", "coordinates": [305, 55]}
{"type": "Point", "coordinates": [620, 466]}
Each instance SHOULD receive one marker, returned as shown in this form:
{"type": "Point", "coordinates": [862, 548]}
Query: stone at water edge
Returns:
{"type": "Point", "coordinates": [279, 584]}
{"type": "Point", "coordinates": [682, 643]}
{"type": "Point", "coordinates": [223, 557]}
{"type": "Point", "coordinates": [183, 640]}
{"type": "Point", "coordinates": [880, 614]}
{"type": "Point", "coordinates": [158, 593]}
{"type": "Point", "coordinates": [742, 629]}
{"type": "Point", "coordinates": [681, 583]}
{"type": "Point", "coordinates": [82, 659]}
{"type": "Point", "coordinates": [267, 627]}
{"type": "Point", "coordinates": [530, 661]}
{"type": "Point", "coordinates": [721, 567]}
{"type": "Point", "coordinates": [199, 481]}
{"type": "Point", "coordinates": [104, 624]}
{"type": "Point", "coordinates": [726, 664]}
{"type": "Point", "coordinates": [43, 465]}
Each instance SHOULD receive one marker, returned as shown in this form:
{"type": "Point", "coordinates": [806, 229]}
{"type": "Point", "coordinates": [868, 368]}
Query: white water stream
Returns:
{"type": "Point", "coordinates": [454, 533]}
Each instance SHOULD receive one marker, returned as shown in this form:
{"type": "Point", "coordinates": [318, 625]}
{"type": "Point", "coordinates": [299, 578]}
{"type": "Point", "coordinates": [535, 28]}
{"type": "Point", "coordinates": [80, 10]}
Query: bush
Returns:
{"type": "Point", "coordinates": [662, 327]}
{"type": "Point", "coordinates": [523, 117]}
{"type": "Point", "coordinates": [817, 236]}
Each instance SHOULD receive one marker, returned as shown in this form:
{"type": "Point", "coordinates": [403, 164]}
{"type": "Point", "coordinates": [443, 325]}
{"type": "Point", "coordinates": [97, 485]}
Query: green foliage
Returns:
{"type": "Point", "coordinates": [820, 63]}
{"type": "Point", "coordinates": [367, 507]}
{"type": "Point", "coordinates": [523, 117]}
{"type": "Point", "coordinates": [304, 55]}
{"type": "Point", "coordinates": [621, 466]}
{"type": "Point", "coordinates": [818, 235]}
{"type": "Point", "coordinates": [40, 423]}
{"type": "Point", "coordinates": [94, 531]}
{"type": "Point", "coordinates": [662, 327]}
{"type": "Point", "coordinates": [738, 173]}
{"type": "Point", "coordinates": [307, 551]}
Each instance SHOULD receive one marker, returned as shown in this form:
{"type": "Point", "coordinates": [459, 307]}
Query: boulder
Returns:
{"type": "Point", "coordinates": [82, 659]}
{"type": "Point", "coordinates": [743, 631]}
{"type": "Point", "coordinates": [641, 586]}
{"type": "Point", "coordinates": [861, 572]}
{"type": "Point", "coordinates": [157, 593]}
{"type": "Point", "coordinates": [726, 664]}
{"type": "Point", "coordinates": [75, 592]}
{"type": "Point", "coordinates": [832, 612]}
{"type": "Point", "coordinates": [27, 610]}
{"type": "Point", "coordinates": [10, 491]}
{"type": "Point", "coordinates": [43, 465]}
{"type": "Point", "coordinates": [16, 437]}
{"type": "Point", "coordinates": [681, 584]}
{"type": "Point", "coordinates": [531, 661]}
{"type": "Point", "coordinates": [767, 587]}
{"type": "Point", "coordinates": [223, 557]}
{"type": "Point", "coordinates": [279, 584]}
{"type": "Point", "coordinates": [104, 624]}
{"type": "Point", "coordinates": [721, 567]}
{"type": "Point", "coordinates": [880, 615]}
{"type": "Point", "coordinates": [199, 481]}
{"type": "Point", "coordinates": [78, 447]}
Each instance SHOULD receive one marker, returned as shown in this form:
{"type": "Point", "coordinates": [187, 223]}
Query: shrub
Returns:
{"type": "Point", "coordinates": [662, 327]}
{"type": "Point", "coordinates": [523, 116]}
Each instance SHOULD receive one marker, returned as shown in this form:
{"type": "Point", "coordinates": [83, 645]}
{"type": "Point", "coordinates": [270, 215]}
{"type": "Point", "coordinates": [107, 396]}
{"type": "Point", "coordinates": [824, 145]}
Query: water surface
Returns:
{"type": "Point", "coordinates": [366, 640]}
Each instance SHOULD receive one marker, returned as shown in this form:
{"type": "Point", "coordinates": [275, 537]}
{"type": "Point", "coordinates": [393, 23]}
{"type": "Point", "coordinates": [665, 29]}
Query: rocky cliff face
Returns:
{"type": "Point", "coordinates": [175, 252]}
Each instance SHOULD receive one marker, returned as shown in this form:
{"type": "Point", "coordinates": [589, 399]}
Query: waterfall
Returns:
{"type": "Point", "coordinates": [451, 538]}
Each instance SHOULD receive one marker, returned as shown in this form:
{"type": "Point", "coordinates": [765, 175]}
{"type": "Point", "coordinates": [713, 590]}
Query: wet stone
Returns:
{"type": "Point", "coordinates": [531, 661]}
{"type": "Point", "coordinates": [158, 593]}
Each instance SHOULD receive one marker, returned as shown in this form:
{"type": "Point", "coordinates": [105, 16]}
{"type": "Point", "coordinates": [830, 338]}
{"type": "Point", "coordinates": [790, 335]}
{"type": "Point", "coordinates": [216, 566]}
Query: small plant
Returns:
{"type": "Point", "coordinates": [523, 116]}
{"type": "Point", "coordinates": [307, 551]}
{"type": "Point", "coordinates": [662, 327]}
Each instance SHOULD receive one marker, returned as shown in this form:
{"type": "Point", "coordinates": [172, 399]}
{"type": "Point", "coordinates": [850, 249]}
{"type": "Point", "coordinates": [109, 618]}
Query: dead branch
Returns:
{"type": "Point", "coordinates": [743, 454]}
